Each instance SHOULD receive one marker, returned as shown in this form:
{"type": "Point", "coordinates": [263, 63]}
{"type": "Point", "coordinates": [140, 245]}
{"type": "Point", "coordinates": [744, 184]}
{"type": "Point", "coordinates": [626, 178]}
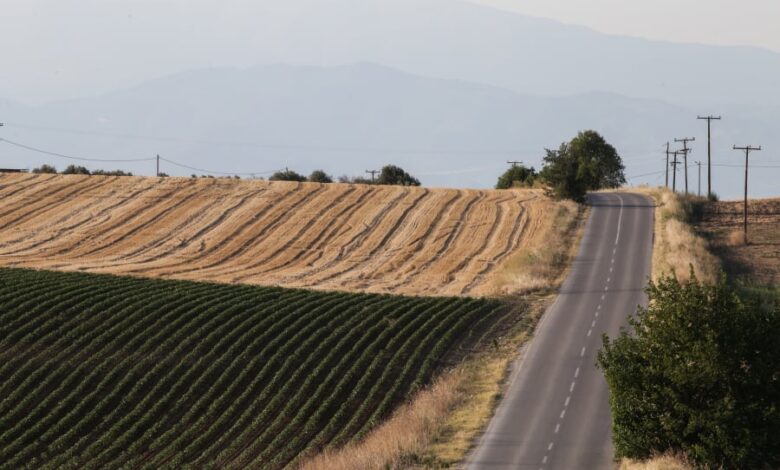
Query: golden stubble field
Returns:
{"type": "Point", "coordinates": [337, 236]}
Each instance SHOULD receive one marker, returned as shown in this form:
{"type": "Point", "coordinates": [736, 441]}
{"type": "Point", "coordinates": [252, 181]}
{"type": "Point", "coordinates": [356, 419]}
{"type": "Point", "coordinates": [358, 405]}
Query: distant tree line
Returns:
{"type": "Point", "coordinates": [79, 170]}
{"type": "Point", "coordinates": [388, 175]}
{"type": "Point", "coordinates": [586, 163]}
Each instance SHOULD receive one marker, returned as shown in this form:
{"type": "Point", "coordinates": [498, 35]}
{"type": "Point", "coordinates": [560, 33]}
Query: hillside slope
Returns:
{"type": "Point", "coordinates": [118, 372]}
{"type": "Point", "coordinates": [334, 237]}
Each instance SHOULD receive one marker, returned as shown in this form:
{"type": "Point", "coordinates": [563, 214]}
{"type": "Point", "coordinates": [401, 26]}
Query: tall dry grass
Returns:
{"type": "Point", "coordinates": [406, 434]}
{"type": "Point", "coordinates": [539, 264]}
{"type": "Point", "coordinates": [664, 462]}
{"type": "Point", "coordinates": [677, 247]}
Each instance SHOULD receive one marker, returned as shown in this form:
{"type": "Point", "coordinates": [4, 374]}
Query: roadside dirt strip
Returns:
{"type": "Point", "coordinates": [336, 236]}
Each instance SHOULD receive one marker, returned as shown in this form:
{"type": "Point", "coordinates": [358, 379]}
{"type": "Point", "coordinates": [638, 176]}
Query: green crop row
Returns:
{"type": "Point", "coordinates": [116, 372]}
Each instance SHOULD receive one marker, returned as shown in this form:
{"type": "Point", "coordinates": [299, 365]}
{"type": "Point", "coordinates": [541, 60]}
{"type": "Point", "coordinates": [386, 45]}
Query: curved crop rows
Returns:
{"type": "Point", "coordinates": [102, 371]}
{"type": "Point", "coordinates": [383, 239]}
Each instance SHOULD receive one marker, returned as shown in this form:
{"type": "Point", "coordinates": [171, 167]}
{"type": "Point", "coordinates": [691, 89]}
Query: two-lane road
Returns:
{"type": "Point", "coordinates": [555, 413]}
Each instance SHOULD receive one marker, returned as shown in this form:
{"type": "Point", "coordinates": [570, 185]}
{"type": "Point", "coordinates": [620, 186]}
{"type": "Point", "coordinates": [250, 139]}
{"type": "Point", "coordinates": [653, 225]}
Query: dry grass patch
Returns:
{"type": "Point", "coordinates": [677, 247]}
{"type": "Point", "coordinates": [659, 463]}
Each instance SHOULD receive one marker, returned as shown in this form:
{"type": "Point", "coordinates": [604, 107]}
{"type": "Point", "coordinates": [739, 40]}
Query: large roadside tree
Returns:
{"type": "Point", "coordinates": [587, 163]}
{"type": "Point", "coordinates": [699, 374]}
{"type": "Point", "coordinates": [516, 176]}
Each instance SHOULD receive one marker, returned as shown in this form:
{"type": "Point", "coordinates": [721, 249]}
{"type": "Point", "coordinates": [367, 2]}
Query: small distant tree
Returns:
{"type": "Point", "coordinates": [75, 170]}
{"type": "Point", "coordinates": [394, 175]}
{"type": "Point", "coordinates": [697, 375]}
{"type": "Point", "coordinates": [287, 175]}
{"type": "Point", "coordinates": [587, 163]}
{"type": "Point", "coordinates": [516, 176]}
{"type": "Point", "coordinates": [45, 169]}
{"type": "Point", "coordinates": [319, 176]}
{"type": "Point", "coordinates": [112, 173]}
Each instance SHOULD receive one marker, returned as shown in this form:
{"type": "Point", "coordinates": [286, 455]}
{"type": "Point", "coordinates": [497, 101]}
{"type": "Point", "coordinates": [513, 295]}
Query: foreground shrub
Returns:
{"type": "Point", "coordinates": [699, 375]}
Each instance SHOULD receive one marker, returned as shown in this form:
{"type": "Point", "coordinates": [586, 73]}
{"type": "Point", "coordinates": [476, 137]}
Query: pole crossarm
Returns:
{"type": "Point", "coordinates": [709, 120]}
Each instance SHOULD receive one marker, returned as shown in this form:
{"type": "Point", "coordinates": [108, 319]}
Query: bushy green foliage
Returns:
{"type": "Point", "coordinates": [394, 175]}
{"type": "Point", "coordinates": [700, 375]}
{"type": "Point", "coordinates": [319, 176]}
{"type": "Point", "coordinates": [587, 163]}
{"type": "Point", "coordinates": [516, 176]}
{"type": "Point", "coordinates": [287, 175]}
{"type": "Point", "coordinates": [116, 173]}
{"type": "Point", "coordinates": [75, 170]}
{"type": "Point", "coordinates": [45, 169]}
{"type": "Point", "coordinates": [117, 372]}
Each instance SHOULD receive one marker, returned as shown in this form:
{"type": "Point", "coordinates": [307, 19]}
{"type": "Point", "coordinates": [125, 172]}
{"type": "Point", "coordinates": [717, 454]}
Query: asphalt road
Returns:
{"type": "Point", "coordinates": [555, 413]}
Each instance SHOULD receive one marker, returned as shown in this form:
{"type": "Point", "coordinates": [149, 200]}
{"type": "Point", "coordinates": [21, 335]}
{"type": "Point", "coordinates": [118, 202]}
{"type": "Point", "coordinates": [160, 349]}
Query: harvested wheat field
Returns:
{"type": "Point", "coordinates": [759, 261]}
{"type": "Point", "coordinates": [322, 236]}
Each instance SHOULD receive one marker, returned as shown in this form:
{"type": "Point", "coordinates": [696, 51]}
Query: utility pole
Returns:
{"type": "Point", "coordinates": [747, 150]}
{"type": "Point", "coordinates": [373, 172]}
{"type": "Point", "coordinates": [709, 151]}
{"type": "Point", "coordinates": [667, 164]}
{"type": "Point", "coordinates": [514, 163]}
{"type": "Point", "coordinates": [699, 164]}
{"type": "Point", "coordinates": [685, 151]}
{"type": "Point", "coordinates": [158, 165]}
{"type": "Point", "coordinates": [674, 173]}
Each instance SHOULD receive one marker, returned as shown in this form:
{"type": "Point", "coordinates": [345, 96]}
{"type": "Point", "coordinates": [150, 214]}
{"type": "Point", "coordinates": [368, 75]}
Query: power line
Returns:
{"type": "Point", "coordinates": [709, 119]}
{"type": "Point", "coordinates": [70, 157]}
{"type": "Point", "coordinates": [320, 148]}
{"type": "Point", "coordinates": [685, 151]}
{"type": "Point", "coordinates": [747, 150]}
{"type": "Point", "coordinates": [216, 172]}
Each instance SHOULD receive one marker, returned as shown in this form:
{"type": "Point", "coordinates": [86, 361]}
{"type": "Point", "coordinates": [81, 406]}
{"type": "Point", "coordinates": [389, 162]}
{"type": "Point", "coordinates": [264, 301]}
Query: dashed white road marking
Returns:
{"type": "Point", "coordinates": [589, 332]}
{"type": "Point", "coordinates": [563, 413]}
{"type": "Point", "coordinates": [550, 446]}
{"type": "Point", "coordinates": [568, 399]}
{"type": "Point", "coordinates": [582, 353]}
{"type": "Point", "coordinates": [571, 388]}
{"type": "Point", "coordinates": [544, 460]}
{"type": "Point", "coordinates": [576, 372]}
{"type": "Point", "coordinates": [557, 428]}
{"type": "Point", "coordinates": [593, 324]}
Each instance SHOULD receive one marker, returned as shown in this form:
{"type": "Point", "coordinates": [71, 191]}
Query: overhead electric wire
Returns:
{"type": "Point", "coordinates": [182, 165]}
{"type": "Point", "coordinates": [70, 157]}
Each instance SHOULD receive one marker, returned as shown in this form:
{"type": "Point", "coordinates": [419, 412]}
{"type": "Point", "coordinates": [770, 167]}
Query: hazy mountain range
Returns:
{"type": "Point", "coordinates": [461, 90]}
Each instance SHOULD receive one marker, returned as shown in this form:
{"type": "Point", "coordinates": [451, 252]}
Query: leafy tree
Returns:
{"type": "Point", "coordinates": [287, 175]}
{"type": "Point", "coordinates": [587, 163]}
{"type": "Point", "coordinates": [516, 176]}
{"type": "Point", "coordinates": [319, 176]}
{"type": "Point", "coordinates": [699, 375]}
{"type": "Point", "coordinates": [45, 169]}
{"type": "Point", "coordinates": [394, 175]}
{"type": "Point", "coordinates": [75, 170]}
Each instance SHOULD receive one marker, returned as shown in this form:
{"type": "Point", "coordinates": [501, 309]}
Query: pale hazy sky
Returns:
{"type": "Point", "coordinates": [55, 49]}
{"type": "Point", "coordinates": [721, 22]}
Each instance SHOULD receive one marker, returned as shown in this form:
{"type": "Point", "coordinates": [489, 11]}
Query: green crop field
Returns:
{"type": "Point", "coordinates": [101, 371]}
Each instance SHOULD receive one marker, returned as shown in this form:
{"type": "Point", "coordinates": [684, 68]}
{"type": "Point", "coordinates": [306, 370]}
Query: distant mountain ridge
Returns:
{"type": "Point", "coordinates": [348, 119]}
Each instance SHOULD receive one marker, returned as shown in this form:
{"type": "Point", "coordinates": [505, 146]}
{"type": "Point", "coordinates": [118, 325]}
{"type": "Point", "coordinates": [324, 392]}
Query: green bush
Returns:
{"type": "Point", "coordinates": [394, 175]}
{"type": "Point", "coordinates": [516, 176]}
{"type": "Point", "coordinates": [319, 176]}
{"type": "Point", "coordinates": [698, 375]}
{"type": "Point", "coordinates": [45, 169]}
{"type": "Point", "coordinates": [287, 175]}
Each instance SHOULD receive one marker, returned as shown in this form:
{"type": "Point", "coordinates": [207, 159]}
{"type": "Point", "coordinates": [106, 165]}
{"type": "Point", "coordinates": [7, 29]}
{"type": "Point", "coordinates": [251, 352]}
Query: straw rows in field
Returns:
{"type": "Point", "coordinates": [336, 237]}
{"type": "Point", "coordinates": [121, 372]}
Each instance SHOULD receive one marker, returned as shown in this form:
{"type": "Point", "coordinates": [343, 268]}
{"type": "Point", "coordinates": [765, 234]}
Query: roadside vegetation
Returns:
{"type": "Point", "coordinates": [696, 380]}
{"type": "Point", "coordinates": [101, 371]}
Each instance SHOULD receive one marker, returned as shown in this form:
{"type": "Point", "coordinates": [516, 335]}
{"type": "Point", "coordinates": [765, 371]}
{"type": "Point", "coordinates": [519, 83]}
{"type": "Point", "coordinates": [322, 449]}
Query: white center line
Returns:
{"type": "Point", "coordinates": [593, 324]}
{"type": "Point", "coordinates": [557, 428]}
{"type": "Point", "coordinates": [568, 399]}
{"type": "Point", "coordinates": [571, 389]}
{"type": "Point", "coordinates": [550, 446]}
{"type": "Point", "coordinates": [576, 372]}
{"type": "Point", "coordinates": [582, 353]}
{"type": "Point", "coordinates": [544, 460]}
{"type": "Point", "coordinates": [599, 307]}
{"type": "Point", "coordinates": [620, 219]}
{"type": "Point", "coordinates": [589, 332]}
{"type": "Point", "coordinates": [563, 413]}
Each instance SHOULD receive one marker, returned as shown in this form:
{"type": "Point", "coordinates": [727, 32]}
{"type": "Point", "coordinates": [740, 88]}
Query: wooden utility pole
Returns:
{"type": "Point", "coordinates": [709, 151]}
{"type": "Point", "coordinates": [373, 173]}
{"type": "Point", "coordinates": [158, 166]}
{"type": "Point", "coordinates": [514, 163]}
{"type": "Point", "coordinates": [667, 164]}
{"type": "Point", "coordinates": [685, 151]}
{"type": "Point", "coordinates": [698, 163]}
{"type": "Point", "coordinates": [747, 150]}
{"type": "Point", "coordinates": [674, 171]}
